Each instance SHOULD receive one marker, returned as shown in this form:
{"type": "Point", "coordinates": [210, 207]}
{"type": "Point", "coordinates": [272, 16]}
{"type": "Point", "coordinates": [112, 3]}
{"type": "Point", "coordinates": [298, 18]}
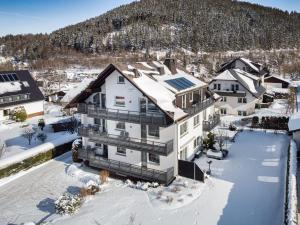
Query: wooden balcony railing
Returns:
{"type": "Point", "coordinates": [127, 169]}
{"type": "Point", "coordinates": [127, 142]}
{"type": "Point", "coordinates": [155, 118]}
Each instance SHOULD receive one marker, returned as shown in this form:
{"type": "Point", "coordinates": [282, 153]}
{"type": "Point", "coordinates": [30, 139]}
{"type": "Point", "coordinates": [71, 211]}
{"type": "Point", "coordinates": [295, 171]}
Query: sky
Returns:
{"type": "Point", "coordinates": [45, 16]}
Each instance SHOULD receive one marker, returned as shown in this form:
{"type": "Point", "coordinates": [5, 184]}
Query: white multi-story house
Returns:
{"type": "Point", "coordinates": [139, 119]}
{"type": "Point", "coordinates": [19, 90]}
{"type": "Point", "coordinates": [239, 92]}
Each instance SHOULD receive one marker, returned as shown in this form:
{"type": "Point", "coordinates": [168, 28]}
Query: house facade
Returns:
{"type": "Point", "coordinates": [239, 92]}
{"type": "Point", "coordinates": [273, 81]}
{"type": "Point", "coordinates": [139, 119]}
{"type": "Point", "coordinates": [19, 90]}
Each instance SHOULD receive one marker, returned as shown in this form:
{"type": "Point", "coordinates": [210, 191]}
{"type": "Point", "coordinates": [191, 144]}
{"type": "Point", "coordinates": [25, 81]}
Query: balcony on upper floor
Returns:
{"type": "Point", "coordinates": [123, 140]}
{"type": "Point", "coordinates": [199, 106]}
{"type": "Point", "coordinates": [150, 118]}
{"type": "Point", "coordinates": [211, 123]}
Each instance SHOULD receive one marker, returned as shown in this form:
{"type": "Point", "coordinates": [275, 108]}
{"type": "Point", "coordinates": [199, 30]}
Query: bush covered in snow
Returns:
{"type": "Point", "coordinates": [144, 186]}
{"type": "Point", "coordinates": [68, 204]}
{"type": "Point", "coordinates": [76, 145]}
{"type": "Point", "coordinates": [41, 137]}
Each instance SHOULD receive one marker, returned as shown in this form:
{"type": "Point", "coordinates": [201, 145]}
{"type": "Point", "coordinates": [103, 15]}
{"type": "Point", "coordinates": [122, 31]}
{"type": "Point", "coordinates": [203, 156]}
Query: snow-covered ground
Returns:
{"type": "Point", "coordinates": [245, 188]}
{"type": "Point", "coordinates": [16, 144]}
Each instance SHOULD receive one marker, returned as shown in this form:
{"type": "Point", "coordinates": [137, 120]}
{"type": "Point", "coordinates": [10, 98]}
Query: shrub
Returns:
{"type": "Point", "coordinates": [209, 142]}
{"type": "Point", "coordinates": [41, 137]}
{"type": "Point", "coordinates": [20, 115]}
{"type": "Point", "coordinates": [76, 145]}
{"type": "Point", "coordinates": [41, 124]}
{"type": "Point", "coordinates": [68, 204]}
{"type": "Point", "coordinates": [104, 174]}
{"type": "Point", "coordinates": [255, 121]}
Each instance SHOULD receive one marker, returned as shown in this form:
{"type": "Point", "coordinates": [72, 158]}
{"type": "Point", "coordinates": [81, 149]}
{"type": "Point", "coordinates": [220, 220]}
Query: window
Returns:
{"type": "Point", "coordinates": [224, 99]}
{"type": "Point", "coordinates": [97, 121]}
{"type": "Point", "coordinates": [152, 107]}
{"type": "Point", "coordinates": [120, 101]}
{"type": "Point", "coordinates": [183, 153]}
{"type": "Point", "coordinates": [196, 120]}
{"type": "Point", "coordinates": [242, 100]}
{"type": "Point", "coordinates": [1, 100]}
{"type": "Point", "coordinates": [183, 99]}
{"type": "Point", "coordinates": [121, 80]}
{"type": "Point", "coordinates": [215, 86]}
{"type": "Point", "coordinates": [242, 113]}
{"type": "Point", "coordinates": [183, 129]}
{"type": "Point", "coordinates": [153, 130]}
{"type": "Point", "coordinates": [223, 111]}
{"type": "Point", "coordinates": [219, 86]}
{"type": "Point", "coordinates": [121, 151]}
{"type": "Point", "coordinates": [237, 87]}
{"type": "Point", "coordinates": [120, 126]}
{"type": "Point", "coordinates": [153, 158]}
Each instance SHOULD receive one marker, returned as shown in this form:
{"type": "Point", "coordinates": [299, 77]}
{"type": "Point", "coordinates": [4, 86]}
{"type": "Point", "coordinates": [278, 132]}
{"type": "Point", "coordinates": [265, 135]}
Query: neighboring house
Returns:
{"type": "Point", "coordinates": [18, 89]}
{"type": "Point", "coordinates": [56, 96]}
{"type": "Point", "coordinates": [240, 91]}
{"type": "Point", "coordinates": [294, 127]}
{"type": "Point", "coordinates": [139, 119]}
{"type": "Point", "coordinates": [245, 65]}
{"type": "Point", "coordinates": [273, 81]}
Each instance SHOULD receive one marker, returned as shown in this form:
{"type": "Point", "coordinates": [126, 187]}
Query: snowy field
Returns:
{"type": "Point", "coordinates": [246, 188]}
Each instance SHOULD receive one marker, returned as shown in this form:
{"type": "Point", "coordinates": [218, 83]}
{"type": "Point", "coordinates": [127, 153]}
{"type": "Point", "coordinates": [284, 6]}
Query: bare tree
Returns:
{"type": "Point", "coordinates": [29, 133]}
{"type": "Point", "coordinates": [292, 100]}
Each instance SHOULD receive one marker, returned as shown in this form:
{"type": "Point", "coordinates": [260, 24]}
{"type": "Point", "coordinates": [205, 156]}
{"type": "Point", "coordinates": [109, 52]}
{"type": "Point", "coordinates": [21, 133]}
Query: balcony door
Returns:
{"type": "Point", "coordinates": [96, 99]}
{"type": "Point", "coordinates": [144, 139]}
{"type": "Point", "coordinates": [103, 101]}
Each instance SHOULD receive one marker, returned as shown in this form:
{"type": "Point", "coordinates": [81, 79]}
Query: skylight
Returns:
{"type": "Point", "coordinates": [10, 77]}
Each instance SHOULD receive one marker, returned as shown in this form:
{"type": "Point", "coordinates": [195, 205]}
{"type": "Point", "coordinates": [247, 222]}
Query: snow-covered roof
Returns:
{"type": "Point", "coordinates": [150, 79]}
{"type": "Point", "coordinates": [251, 64]}
{"type": "Point", "coordinates": [247, 80]}
{"type": "Point", "coordinates": [294, 122]}
{"type": "Point", "coordinates": [277, 77]}
{"type": "Point", "coordinates": [73, 92]}
{"type": "Point", "coordinates": [226, 75]}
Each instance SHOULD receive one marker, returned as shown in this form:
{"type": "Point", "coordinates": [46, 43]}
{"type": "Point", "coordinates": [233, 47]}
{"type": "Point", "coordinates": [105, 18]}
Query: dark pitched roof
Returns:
{"type": "Point", "coordinates": [260, 71]}
{"type": "Point", "coordinates": [32, 88]}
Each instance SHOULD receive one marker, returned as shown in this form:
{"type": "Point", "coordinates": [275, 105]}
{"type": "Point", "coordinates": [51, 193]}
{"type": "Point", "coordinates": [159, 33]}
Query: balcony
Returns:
{"type": "Point", "coordinates": [228, 93]}
{"type": "Point", "coordinates": [208, 125]}
{"type": "Point", "coordinates": [127, 169]}
{"type": "Point", "coordinates": [200, 106]}
{"type": "Point", "coordinates": [155, 118]}
{"type": "Point", "coordinates": [154, 147]}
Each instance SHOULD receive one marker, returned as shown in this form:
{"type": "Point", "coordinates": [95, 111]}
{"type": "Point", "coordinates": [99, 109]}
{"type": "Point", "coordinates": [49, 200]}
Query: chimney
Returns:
{"type": "Point", "coordinates": [161, 70]}
{"type": "Point", "coordinates": [171, 64]}
{"type": "Point", "coordinates": [136, 73]}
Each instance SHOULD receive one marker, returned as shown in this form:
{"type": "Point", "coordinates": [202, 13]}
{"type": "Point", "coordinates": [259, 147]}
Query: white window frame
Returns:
{"type": "Point", "coordinates": [183, 153]}
{"type": "Point", "coordinates": [121, 151]}
{"type": "Point", "coordinates": [121, 82]}
{"type": "Point", "coordinates": [186, 129]}
{"type": "Point", "coordinates": [196, 120]}
{"type": "Point", "coordinates": [118, 101]}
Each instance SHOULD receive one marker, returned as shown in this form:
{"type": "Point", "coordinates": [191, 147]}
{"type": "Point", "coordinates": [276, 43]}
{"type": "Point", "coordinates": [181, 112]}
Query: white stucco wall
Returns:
{"type": "Point", "coordinates": [31, 108]}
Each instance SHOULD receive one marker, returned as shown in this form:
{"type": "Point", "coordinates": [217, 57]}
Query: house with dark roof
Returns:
{"type": "Point", "coordinates": [246, 65]}
{"type": "Point", "coordinates": [239, 92]}
{"type": "Point", "coordinates": [18, 89]}
{"type": "Point", "coordinates": [139, 119]}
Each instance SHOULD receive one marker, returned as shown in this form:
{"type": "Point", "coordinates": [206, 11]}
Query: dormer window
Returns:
{"type": "Point", "coordinates": [237, 87]}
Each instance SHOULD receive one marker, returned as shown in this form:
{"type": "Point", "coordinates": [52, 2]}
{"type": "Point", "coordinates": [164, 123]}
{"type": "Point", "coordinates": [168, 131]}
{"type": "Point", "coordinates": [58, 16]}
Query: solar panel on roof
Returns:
{"type": "Point", "coordinates": [8, 77]}
{"type": "Point", "coordinates": [180, 83]}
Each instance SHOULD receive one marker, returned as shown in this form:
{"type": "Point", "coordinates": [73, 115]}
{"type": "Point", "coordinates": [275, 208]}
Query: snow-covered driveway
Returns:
{"type": "Point", "coordinates": [256, 167]}
{"type": "Point", "coordinates": [31, 196]}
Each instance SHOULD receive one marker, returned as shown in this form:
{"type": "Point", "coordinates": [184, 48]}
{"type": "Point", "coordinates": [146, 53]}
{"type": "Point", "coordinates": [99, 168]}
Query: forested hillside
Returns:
{"type": "Point", "coordinates": [198, 25]}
